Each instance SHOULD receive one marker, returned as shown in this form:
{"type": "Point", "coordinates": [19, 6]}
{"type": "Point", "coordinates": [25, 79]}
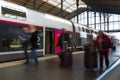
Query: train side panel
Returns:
{"type": "Point", "coordinates": [13, 25]}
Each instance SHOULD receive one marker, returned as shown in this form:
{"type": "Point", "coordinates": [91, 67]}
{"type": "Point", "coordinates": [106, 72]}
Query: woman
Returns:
{"type": "Point", "coordinates": [103, 43]}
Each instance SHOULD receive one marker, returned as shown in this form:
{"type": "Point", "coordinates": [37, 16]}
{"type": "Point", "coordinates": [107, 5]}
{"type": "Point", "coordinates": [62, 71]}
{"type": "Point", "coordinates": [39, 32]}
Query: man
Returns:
{"type": "Point", "coordinates": [102, 41]}
{"type": "Point", "coordinates": [33, 41]}
{"type": "Point", "coordinates": [64, 39]}
{"type": "Point", "coordinates": [63, 42]}
{"type": "Point", "coordinates": [24, 38]}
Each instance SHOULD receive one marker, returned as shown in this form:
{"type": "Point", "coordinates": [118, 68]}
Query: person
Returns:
{"type": "Point", "coordinates": [63, 42]}
{"type": "Point", "coordinates": [24, 38]}
{"type": "Point", "coordinates": [63, 39]}
{"type": "Point", "coordinates": [103, 50]}
{"type": "Point", "coordinates": [33, 41]}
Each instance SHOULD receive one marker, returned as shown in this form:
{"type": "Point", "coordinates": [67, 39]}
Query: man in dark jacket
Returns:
{"type": "Point", "coordinates": [33, 41]}
{"type": "Point", "coordinates": [63, 39]}
{"type": "Point", "coordinates": [63, 42]}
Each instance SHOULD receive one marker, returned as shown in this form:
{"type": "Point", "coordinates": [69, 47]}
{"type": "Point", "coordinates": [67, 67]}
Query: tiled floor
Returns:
{"type": "Point", "coordinates": [49, 69]}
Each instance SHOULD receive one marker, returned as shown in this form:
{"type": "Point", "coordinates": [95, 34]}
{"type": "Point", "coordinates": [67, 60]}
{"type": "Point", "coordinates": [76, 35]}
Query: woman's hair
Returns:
{"type": "Point", "coordinates": [100, 33]}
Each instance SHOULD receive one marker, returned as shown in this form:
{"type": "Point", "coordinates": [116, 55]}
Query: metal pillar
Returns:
{"type": "Point", "coordinates": [100, 19]}
{"type": "Point", "coordinates": [119, 20]}
{"type": "Point", "coordinates": [34, 4]}
{"type": "Point", "coordinates": [61, 8]}
{"type": "Point", "coordinates": [95, 19]}
{"type": "Point", "coordinates": [87, 16]}
{"type": "Point", "coordinates": [77, 4]}
{"type": "Point", "coordinates": [107, 22]}
{"type": "Point", "coordinates": [104, 20]}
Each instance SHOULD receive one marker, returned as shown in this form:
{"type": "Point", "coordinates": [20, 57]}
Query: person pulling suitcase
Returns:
{"type": "Point", "coordinates": [103, 43]}
{"type": "Point", "coordinates": [65, 55]}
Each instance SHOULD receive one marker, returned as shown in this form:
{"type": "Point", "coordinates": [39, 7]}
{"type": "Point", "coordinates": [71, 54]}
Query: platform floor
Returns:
{"type": "Point", "coordinates": [49, 69]}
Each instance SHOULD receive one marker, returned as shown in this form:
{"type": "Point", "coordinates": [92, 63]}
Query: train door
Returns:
{"type": "Point", "coordinates": [49, 41]}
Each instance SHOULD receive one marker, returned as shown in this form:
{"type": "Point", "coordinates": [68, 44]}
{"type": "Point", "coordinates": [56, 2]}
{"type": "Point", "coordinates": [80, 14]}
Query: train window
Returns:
{"type": "Point", "coordinates": [87, 30]}
{"type": "Point", "coordinates": [95, 32]}
{"type": "Point", "coordinates": [83, 29]}
{"type": "Point", "coordinates": [14, 14]}
{"type": "Point", "coordinates": [91, 31]}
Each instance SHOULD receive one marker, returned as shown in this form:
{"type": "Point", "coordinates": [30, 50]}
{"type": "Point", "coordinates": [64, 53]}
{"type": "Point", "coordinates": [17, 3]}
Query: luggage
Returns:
{"type": "Point", "coordinates": [66, 58]}
{"type": "Point", "coordinates": [90, 57]}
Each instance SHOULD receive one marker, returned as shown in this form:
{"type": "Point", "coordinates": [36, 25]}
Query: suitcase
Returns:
{"type": "Point", "coordinates": [90, 57]}
{"type": "Point", "coordinates": [66, 58]}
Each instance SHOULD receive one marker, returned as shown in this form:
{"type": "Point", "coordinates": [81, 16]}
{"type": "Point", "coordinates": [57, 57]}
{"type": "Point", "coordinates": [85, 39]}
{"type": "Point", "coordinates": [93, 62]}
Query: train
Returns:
{"type": "Point", "coordinates": [14, 17]}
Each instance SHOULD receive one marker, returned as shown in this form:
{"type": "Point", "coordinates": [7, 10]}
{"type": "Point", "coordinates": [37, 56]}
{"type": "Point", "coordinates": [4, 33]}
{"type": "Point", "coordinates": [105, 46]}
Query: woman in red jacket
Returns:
{"type": "Point", "coordinates": [103, 43]}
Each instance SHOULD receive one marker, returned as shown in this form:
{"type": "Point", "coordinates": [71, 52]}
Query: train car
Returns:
{"type": "Point", "coordinates": [14, 17]}
{"type": "Point", "coordinates": [84, 35]}
{"type": "Point", "coordinates": [94, 33]}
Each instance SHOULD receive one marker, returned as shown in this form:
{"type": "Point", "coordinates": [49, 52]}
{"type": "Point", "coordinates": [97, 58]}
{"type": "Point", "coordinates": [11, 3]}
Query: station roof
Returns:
{"type": "Point", "coordinates": [54, 6]}
{"type": "Point", "coordinates": [107, 6]}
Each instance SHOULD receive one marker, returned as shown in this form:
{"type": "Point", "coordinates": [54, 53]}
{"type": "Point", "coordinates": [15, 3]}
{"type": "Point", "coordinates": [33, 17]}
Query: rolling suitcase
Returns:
{"type": "Point", "coordinates": [90, 57]}
{"type": "Point", "coordinates": [65, 57]}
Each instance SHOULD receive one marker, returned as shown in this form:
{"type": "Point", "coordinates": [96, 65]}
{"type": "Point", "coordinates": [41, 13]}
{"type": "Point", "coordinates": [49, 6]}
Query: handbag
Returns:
{"type": "Point", "coordinates": [106, 44]}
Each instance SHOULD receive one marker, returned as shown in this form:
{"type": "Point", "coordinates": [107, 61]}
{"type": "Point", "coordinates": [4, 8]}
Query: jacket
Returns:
{"type": "Point", "coordinates": [34, 39]}
{"type": "Point", "coordinates": [63, 37]}
{"type": "Point", "coordinates": [104, 40]}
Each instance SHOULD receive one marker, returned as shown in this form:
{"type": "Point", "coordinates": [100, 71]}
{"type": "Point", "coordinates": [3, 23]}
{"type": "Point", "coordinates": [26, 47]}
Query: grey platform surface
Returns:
{"type": "Point", "coordinates": [50, 70]}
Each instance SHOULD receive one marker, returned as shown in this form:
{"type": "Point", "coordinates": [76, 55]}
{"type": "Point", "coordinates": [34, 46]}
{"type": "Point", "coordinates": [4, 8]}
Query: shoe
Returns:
{"type": "Point", "coordinates": [37, 63]}
{"type": "Point", "coordinates": [26, 62]}
{"type": "Point", "coordinates": [101, 70]}
{"type": "Point", "coordinates": [107, 67]}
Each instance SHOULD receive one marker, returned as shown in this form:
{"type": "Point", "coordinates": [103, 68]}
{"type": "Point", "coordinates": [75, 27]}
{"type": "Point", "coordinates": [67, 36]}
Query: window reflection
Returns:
{"type": "Point", "coordinates": [11, 44]}
{"type": "Point", "coordinates": [9, 33]}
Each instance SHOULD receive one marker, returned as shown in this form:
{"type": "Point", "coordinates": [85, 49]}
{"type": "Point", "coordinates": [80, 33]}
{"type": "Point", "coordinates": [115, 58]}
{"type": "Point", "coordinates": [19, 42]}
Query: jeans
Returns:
{"type": "Point", "coordinates": [34, 56]}
{"type": "Point", "coordinates": [104, 55]}
{"type": "Point", "coordinates": [26, 53]}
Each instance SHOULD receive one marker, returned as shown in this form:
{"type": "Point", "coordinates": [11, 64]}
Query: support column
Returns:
{"type": "Point", "coordinates": [107, 22]}
{"type": "Point", "coordinates": [87, 16]}
{"type": "Point", "coordinates": [104, 20]}
{"type": "Point", "coordinates": [119, 20]}
{"type": "Point", "coordinates": [77, 4]}
{"type": "Point", "coordinates": [34, 4]}
{"type": "Point", "coordinates": [95, 19]}
{"type": "Point", "coordinates": [100, 19]}
{"type": "Point", "coordinates": [61, 8]}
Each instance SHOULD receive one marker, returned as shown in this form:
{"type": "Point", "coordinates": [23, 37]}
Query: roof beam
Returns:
{"type": "Point", "coordinates": [74, 13]}
{"type": "Point", "coordinates": [53, 8]}
{"type": "Point", "coordinates": [43, 3]}
{"type": "Point", "coordinates": [24, 4]}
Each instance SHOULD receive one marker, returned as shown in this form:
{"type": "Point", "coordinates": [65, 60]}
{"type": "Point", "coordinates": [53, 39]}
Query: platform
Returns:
{"type": "Point", "coordinates": [49, 69]}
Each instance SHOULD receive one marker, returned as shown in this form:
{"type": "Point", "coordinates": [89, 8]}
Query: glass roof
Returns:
{"type": "Point", "coordinates": [68, 5]}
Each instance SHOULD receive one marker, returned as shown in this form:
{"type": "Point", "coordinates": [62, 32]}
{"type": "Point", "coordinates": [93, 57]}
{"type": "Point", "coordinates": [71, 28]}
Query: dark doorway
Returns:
{"type": "Point", "coordinates": [49, 41]}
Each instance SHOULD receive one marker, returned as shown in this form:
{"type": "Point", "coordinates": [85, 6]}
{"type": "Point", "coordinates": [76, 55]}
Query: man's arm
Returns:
{"type": "Point", "coordinates": [21, 38]}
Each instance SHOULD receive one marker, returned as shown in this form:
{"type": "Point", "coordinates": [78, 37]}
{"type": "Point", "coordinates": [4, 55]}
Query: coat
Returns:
{"type": "Point", "coordinates": [34, 39]}
{"type": "Point", "coordinates": [105, 40]}
{"type": "Point", "coordinates": [63, 37]}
